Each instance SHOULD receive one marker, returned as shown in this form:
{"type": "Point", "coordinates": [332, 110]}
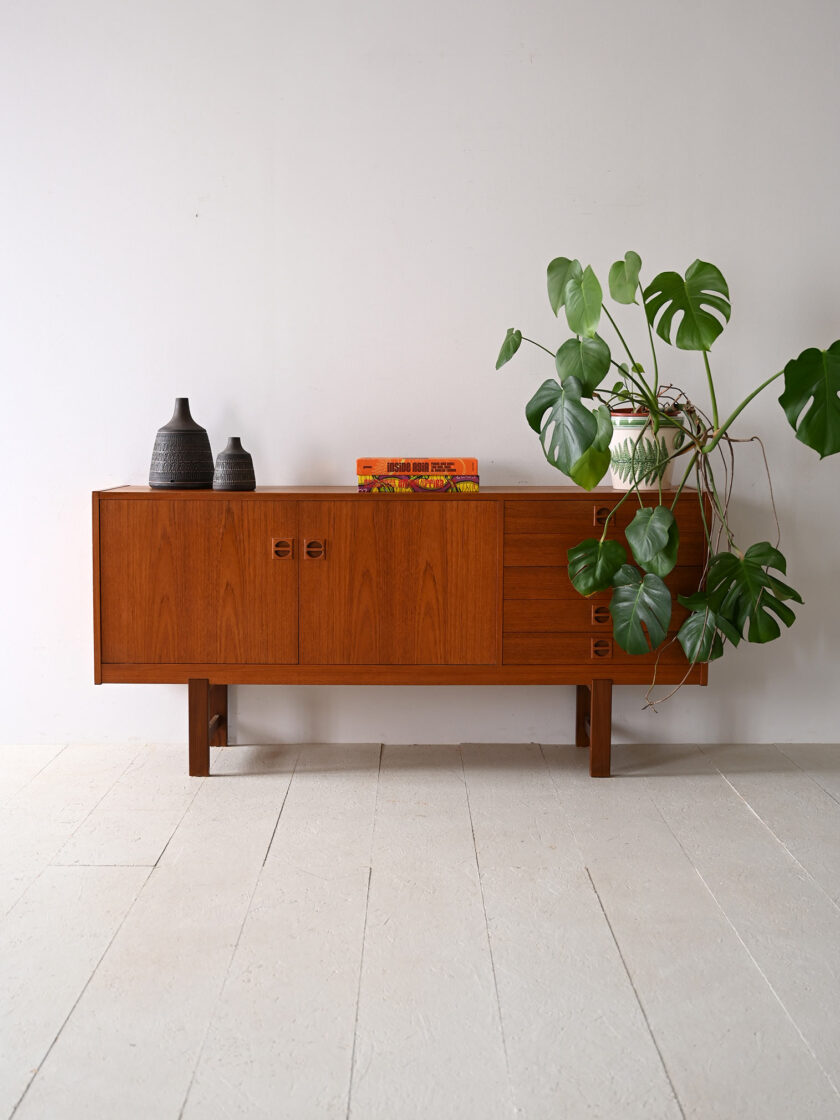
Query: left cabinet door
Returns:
{"type": "Point", "coordinates": [198, 581]}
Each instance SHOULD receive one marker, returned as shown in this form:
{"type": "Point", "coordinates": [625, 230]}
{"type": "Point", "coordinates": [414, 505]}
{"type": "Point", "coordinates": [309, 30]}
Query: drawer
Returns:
{"type": "Point", "coordinates": [554, 583]}
{"type": "Point", "coordinates": [580, 615]}
{"type": "Point", "coordinates": [549, 549]}
{"type": "Point", "coordinates": [582, 649]}
{"type": "Point", "coordinates": [583, 518]}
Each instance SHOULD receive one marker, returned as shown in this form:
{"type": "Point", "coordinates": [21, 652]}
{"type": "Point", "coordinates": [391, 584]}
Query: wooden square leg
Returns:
{"type": "Point", "coordinates": [199, 708]}
{"type": "Point", "coordinates": [218, 715]}
{"type": "Point", "coordinates": [583, 706]}
{"type": "Point", "coordinates": [600, 729]}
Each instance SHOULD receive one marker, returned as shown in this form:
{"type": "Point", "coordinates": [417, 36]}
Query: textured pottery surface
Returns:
{"type": "Point", "coordinates": [181, 459]}
{"type": "Point", "coordinates": [234, 467]}
{"type": "Point", "coordinates": [638, 457]}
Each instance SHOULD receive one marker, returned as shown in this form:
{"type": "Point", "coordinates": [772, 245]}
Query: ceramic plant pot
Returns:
{"type": "Point", "coordinates": [234, 467]}
{"type": "Point", "coordinates": [637, 456]}
{"type": "Point", "coordinates": [181, 459]}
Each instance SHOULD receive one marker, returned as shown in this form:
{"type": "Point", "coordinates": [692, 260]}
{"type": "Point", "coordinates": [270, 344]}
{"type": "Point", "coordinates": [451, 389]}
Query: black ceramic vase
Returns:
{"type": "Point", "coordinates": [181, 459]}
{"type": "Point", "coordinates": [234, 467]}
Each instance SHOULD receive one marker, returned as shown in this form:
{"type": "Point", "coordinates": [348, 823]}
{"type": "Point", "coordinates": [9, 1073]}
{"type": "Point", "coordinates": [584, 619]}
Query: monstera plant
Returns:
{"type": "Point", "coordinates": [574, 413]}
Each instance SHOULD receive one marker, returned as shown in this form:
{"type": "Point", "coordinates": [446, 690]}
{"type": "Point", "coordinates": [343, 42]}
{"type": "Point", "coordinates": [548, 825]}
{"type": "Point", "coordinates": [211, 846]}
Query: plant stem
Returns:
{"type": "Point", "coordinates": [652, 347]}
{"type": "Point", "coordinates": [615, 509]}
{"type": "Point", "coordinates": [681, 486]}
{"type": "Point", "coordinates": [633, 361]}
{"type": "Point", "coordinates": [722, 430]}
{"type": "Point", "coordinates": [551, 352]}
{"type": "Point", "coordinates": [711, 389]}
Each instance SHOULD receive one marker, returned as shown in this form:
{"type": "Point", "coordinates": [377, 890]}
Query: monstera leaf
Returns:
{"type": "Point", "coordinates": [624, 278]}
{"type": "Point", "coordinates": [587, 359]}
{"type": "Point", "coordinates": [560, 271]}
{"type": "Point", "coordinates": [699, 636]}
{"type": "Point", "coordinates": [814, 377]}
{"type": "Point", "coordinates": [639, 601]}
{"type": "Point", "coordinates": [654, 539]}
{"type": "Point", "coordinates": [703, 287]}
{"type": "Point", "coordinates": [592, 564]}
{"type": "Point", "coordinates": [742, 592]}
{"type": "Point", "coordinates": [583, 299]}
{"type": "Point", "coordinates": [512, 342]}
{"type": "Point", "coordinates": [574, 439]}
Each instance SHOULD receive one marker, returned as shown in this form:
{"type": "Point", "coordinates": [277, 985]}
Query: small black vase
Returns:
{"type": "Point", "coordinates": [234, 467]}
{"type": "Point", "coordinates": [181, 459]}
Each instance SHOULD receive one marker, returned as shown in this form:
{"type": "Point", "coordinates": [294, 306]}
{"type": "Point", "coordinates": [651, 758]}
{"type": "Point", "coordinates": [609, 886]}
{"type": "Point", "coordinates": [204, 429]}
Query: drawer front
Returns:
{"type": "Point", "coordinates": [554, 583]}
{"type": "Point", "coordinates": [578, 520]}
{"type": "Point", "coordinates": [582, 649]}
{"type": "Point", "coordinates": [541, 549]}
{"type": "Point", "coordinates": [523, 616]}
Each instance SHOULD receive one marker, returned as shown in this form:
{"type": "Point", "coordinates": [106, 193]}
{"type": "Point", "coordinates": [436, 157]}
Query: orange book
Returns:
{"type": "Point", "coordinates": [416, 466]}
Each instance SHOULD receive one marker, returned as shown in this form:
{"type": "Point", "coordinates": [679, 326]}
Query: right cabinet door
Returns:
{"type": "Point", "coordinates": [399, 582]}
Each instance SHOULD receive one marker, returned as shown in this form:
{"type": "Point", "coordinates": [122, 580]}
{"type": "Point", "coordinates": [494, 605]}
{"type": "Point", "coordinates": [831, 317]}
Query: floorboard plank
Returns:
{"type": "Point", "coordinates": [131, 1045]}
{"type": "Point", "coordinates": [577, 1041]}
{"type": "Point", "coordinates": [785, 920]}
{"type": "Point", "coordinates": [281, 1037]}
{"type": "Point", "coordinates": [821, 761]}
{"type": "Point", "coordinates": [429, 1040]}
{"type": "Point", "coordinates": [803, 816]}
{"type": "Point", "coordinates": [20, 764]}
{"type": "Point", "coordinates": [136, 819]}
{"type": "Point", "coordinates": [729, 1046]}
{"type": "Point", "coordinates": [49, 947]}
{"type": "Point", "coordinates": [46, 812]}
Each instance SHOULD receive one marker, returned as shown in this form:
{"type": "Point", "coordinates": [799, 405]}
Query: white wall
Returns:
{"type": "Point", "coordinates": [317, 222]}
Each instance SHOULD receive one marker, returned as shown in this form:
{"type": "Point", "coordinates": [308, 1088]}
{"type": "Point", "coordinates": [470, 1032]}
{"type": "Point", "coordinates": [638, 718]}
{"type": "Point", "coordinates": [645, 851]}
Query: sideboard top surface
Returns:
{"type": "Point", "coordinates": [563, 493]}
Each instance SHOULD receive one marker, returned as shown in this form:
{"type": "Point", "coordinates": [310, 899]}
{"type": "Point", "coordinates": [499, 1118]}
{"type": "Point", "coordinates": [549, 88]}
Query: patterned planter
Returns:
{"type": "Point", "coordinates": [638, 457]}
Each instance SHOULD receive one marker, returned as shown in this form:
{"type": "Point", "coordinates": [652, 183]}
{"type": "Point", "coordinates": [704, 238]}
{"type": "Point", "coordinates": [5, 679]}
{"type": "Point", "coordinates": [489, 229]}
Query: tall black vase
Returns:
{"type": "Point", "coordinates": [181, 459]}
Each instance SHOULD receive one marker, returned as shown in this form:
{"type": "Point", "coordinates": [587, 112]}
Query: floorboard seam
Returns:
{"type": "Point", "coordinates": [665, 1069]}
{"type": "Point", "coordinates": [746, 949]}
{"type": "Point", "coordinates": [282, 807]}
{"type": "Point", "coordinates": [78, 998]}
{"type": "Point", "coordinates": [364, 938]}
{"type": "Point", "coordinates": [489, 940]}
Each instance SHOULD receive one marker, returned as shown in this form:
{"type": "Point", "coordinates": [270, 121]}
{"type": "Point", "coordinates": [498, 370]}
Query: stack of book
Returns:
{"type": "Point", "coordinates": [407, 476]}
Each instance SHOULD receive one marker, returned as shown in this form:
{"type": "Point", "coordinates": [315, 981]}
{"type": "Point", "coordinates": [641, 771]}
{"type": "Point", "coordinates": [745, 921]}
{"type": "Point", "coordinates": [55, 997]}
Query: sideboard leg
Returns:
{"type": "Point", "coordinates": [219, 708]}
{"type": "Point", "coordinates": [600, 729]}
{"type": "Point", "coordinates": [199, 707]}
{"type": "Point", "coordinates": [583, 706]}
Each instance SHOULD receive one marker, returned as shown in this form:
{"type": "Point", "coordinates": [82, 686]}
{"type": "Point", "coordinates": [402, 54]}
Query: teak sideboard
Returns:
{"type": "Point", "coordinates": [298, 585]}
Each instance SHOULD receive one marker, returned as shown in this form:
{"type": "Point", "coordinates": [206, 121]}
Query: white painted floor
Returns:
{"type": "Point", "coordinates": [428, 932]}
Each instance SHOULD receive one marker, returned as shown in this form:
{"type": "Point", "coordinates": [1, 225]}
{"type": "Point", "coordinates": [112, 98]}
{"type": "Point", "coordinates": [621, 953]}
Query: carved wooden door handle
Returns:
{"type": "Point", "coordinates": [283, 548]}
{"type": "Point", "coordinates": [314, 549]}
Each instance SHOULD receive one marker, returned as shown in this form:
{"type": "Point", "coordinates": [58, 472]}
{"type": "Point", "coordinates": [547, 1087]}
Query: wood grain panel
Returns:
{"type": "Point", "coordinates": [577, 649]}
{"type": "Point", "coordinates": [401, 583]}
{"type": "Point", "coordinates": [195, 581]}
{"type": "Point", "coordinates": [554, 583]}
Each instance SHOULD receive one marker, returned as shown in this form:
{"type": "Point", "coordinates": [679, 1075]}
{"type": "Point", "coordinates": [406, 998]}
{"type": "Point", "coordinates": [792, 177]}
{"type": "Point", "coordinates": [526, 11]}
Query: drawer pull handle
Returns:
{"type": "Point", "coordinates": [314, 549]}
{"type": "Point", "coordinates": [600, 514]}
{"type": "Point", "coordinates": [283, 548]}
{"type": "Point", "coordinates": [600, 615]}
{"type": "Point", "coordinates": [601, 647]}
